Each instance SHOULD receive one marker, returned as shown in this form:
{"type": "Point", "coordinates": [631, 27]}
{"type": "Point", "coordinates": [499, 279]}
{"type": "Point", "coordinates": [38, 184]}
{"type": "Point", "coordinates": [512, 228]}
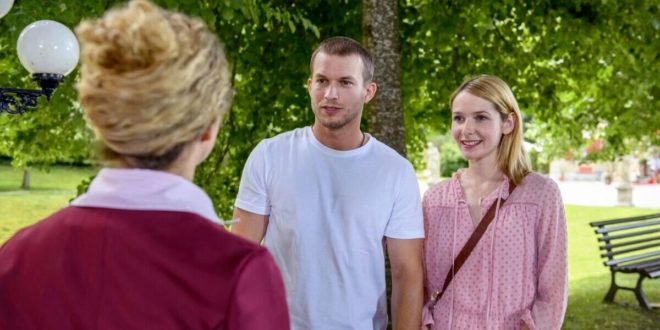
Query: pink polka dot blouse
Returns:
{"type": "Point", "coordinates": [517, 273]}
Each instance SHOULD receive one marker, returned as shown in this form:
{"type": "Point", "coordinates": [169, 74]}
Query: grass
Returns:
{"type": "Point", "coordinates": [49, 192]}
{"type": "Point", "coordinates": [588, 278]}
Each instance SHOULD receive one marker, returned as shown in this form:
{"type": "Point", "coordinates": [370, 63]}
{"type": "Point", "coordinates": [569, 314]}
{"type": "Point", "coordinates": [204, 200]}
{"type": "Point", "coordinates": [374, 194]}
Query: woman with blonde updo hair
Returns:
{"type": "Point", "coordinates": [143, 248]}
{"type": "Point", "coordinates": [495, 246]}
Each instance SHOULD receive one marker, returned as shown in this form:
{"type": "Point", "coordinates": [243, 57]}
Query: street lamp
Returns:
{"type": "Point", "coordinates": [49, 51]}
{"type": "Point", "coordinates": [5, 6]}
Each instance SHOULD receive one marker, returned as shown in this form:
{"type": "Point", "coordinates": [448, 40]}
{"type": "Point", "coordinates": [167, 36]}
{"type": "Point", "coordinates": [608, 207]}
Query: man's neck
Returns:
{"type": "Point", "coordinates": [345, 138]}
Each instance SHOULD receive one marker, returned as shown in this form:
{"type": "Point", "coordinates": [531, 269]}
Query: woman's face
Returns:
{"type": "Point", "coordinates": [477, 127]}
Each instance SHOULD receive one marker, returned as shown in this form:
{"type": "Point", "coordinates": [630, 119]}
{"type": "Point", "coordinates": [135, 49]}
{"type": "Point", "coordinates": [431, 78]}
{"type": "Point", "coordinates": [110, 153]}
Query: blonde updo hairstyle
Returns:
{"type": "Point", "coordinates": [511, 156]}
{"type": "Point", "coordinates": [151, 82]}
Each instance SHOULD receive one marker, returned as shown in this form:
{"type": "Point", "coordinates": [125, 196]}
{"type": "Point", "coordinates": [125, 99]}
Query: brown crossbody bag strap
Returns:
{"type": "Point", "coordinates": [470, 245]}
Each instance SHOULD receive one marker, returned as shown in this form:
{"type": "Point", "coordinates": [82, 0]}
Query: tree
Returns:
{"type": "Point", "coordinates": [252, 32]}
{"type": "Point", "coordinates": [55, 130]}
{"type": "Point", "coordinates": [380, 25]}
{"type": "Point", "coordinates": [581, 70]}
{"type": "Point", "coordinates": [380, 28]}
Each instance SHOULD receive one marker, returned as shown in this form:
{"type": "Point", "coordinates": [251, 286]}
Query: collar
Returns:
{"type": "Point", "coordinates": [362, 149]}
{"type": "Point", "coordinates": [146, 190]}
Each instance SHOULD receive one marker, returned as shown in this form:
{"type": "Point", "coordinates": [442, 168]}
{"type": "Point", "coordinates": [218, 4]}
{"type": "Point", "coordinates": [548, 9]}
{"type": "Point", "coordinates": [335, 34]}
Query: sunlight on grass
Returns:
{"type": "Point", "coordinates": [50, 191]}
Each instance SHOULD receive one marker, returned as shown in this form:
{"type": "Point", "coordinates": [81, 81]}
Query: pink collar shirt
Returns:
{"type": "Point", "coordinates": [146, 190]}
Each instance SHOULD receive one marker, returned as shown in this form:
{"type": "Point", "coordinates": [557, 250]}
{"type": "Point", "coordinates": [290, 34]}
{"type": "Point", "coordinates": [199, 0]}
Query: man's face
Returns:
{"type": "Point", "coordinates": [338, 91]}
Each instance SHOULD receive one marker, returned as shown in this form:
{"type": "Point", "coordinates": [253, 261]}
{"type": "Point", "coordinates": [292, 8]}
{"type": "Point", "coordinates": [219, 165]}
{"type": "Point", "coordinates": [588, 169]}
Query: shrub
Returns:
{"type": "Point", "coordinates": [450, 158]}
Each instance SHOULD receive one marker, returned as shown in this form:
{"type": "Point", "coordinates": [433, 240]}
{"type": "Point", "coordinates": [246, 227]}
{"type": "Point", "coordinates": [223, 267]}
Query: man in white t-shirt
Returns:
{"type": "Point", "coordinates": [327, 200]}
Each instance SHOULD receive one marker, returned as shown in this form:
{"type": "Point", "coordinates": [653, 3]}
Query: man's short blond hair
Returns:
{"type": "Point", "coordinates": [344, 46]}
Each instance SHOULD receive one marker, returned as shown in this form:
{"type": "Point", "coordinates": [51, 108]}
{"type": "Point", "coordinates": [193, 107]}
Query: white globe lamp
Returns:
{"type": "Point", "coordinates": [49, 51]}
{"type": "Point", "coordinates": [5, 6]}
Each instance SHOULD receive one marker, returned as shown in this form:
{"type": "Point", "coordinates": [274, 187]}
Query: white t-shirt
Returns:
{"type": "Point", "coordinates": [329, 212]}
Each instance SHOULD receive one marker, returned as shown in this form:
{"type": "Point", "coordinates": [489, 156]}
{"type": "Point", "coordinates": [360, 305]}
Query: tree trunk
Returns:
{"type": "Point", "coordinates": [26, 180]}
{"type": "Point", "coordinates": [380, 26]}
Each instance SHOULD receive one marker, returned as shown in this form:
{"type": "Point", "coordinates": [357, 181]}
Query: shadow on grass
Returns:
{"type": "Point", "coordinates": [587, 310]}
{"type": "Point", "coordinates": [16, 191]}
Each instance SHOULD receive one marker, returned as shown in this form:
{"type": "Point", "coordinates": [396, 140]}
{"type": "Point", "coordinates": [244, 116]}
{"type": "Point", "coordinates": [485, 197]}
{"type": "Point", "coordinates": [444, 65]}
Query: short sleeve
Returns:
{"type": "Point", "coordinates": [406, 220]}
{"type": "Point", "coordinates": [259, 300]}
{"type": "Point", "coordinates": [253, 190]}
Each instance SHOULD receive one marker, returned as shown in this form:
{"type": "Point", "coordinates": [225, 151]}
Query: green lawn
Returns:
{"type": "Point", "coordinates": [49, 192]}
{"type": "Point", "coordinates": [588, 278]}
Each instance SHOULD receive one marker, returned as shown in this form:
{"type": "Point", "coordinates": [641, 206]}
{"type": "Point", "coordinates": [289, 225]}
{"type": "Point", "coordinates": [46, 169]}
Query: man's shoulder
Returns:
{"type": "Point", "coordinates": [296, 134]}
{"type": "Point", "coordinates": [388, 154]}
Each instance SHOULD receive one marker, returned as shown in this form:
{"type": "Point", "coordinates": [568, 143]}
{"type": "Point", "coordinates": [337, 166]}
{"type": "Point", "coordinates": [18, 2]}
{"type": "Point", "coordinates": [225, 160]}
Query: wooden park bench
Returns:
{"type": "Point", "coordinates": [631, 245]}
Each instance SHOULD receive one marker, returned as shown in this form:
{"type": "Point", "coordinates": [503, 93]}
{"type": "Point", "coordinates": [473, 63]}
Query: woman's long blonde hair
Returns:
{"type": "Point", "coordinates": [151, 82]}
{"type": "Point", "coordinates": [511, 156]}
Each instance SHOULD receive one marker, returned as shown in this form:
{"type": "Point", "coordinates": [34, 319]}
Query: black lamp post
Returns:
{"type": "Point", "coordinates": [49, 51]}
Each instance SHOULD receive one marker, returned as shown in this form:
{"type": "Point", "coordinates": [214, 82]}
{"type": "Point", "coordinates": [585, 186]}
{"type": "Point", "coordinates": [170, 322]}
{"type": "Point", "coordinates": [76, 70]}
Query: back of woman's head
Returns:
{"type": "Point", "coordinates": [511, 156]}
{"type": "Point", "coordinates": [151, 82]}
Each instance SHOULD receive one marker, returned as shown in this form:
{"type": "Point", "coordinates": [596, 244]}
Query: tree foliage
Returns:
{"type": "Point", "coordinates": [582, 70]}
{"type": "Point", "coordinates": [55, 130]}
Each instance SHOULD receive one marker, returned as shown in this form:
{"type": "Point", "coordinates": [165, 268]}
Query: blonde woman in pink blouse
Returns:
{"type": "Point", "coordinates": [516, 274]}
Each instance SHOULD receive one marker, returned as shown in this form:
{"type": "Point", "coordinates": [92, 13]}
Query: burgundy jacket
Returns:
{"type": "Point", "coordinates": [103, 268]}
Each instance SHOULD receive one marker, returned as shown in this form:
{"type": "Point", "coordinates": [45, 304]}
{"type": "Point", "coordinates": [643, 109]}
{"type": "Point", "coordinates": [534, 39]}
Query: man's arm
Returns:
{"type": "Point", "coordinates": [407, 282]}
{"type": "Point", "coordinates": [250, 225]}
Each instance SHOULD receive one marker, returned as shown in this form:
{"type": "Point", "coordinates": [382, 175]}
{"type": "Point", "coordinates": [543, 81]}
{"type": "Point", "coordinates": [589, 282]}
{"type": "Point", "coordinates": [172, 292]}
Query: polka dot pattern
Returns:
{"type": "Point", "coordinates": [516, 274]}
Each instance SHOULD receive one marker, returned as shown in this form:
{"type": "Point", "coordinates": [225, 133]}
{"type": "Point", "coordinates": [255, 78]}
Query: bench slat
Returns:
{"type": "Point", "coordinates": [604, 230]}
{"type": "Point", "coordinates": [637, 233]}
{"type": "Point", "coordinates": [613, 246]}
{"type": "Point", "coordinates": [623, 220]}
{"type": "Point", "coordinates": [636, 248]}
{"type": "Point", "coordinates": [639, 265]}
{"type": "Point", "coordinates": [632, 258]}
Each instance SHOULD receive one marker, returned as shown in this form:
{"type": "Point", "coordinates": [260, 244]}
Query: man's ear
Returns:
{"type": "Point", "coordinates": [309, 85]}
{"type": "Point", "coordinates": [509, 124]}
{"type": "Point", "coordinates": [371, 91]}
